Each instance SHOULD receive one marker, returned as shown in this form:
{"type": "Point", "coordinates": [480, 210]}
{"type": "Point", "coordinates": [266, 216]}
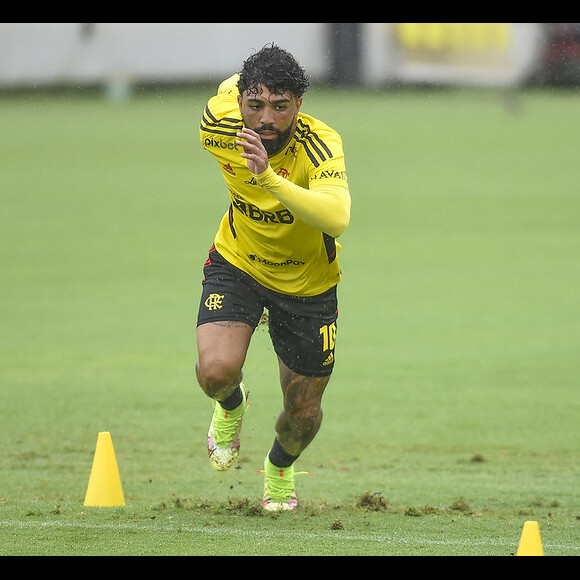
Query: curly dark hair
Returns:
{"type": "Point", "coordinates": [274, 68]}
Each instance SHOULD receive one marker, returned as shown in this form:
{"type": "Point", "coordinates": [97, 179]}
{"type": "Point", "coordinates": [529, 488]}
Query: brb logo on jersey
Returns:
{"type": "Point", "coordinates": [252, 211]}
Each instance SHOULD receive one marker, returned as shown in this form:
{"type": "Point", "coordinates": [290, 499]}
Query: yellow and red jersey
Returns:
{"type": "Point", "coordinates": [287, 247]}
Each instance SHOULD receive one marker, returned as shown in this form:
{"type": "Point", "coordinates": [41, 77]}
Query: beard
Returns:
{"type": "Point", "coordinates": [273, 146]}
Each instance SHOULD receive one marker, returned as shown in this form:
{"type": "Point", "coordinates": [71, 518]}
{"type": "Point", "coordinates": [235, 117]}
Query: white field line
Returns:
{"type": "Point", "coordinates": [336, 536]}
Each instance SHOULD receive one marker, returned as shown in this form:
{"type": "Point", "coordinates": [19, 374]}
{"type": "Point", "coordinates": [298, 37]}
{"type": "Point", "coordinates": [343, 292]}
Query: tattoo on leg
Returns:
{"type": "Point", "coordinates": [301, 418]}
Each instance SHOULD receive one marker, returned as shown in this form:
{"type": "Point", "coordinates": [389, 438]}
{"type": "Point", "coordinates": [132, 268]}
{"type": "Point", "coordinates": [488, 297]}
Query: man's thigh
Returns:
{"type": "Point", "coordinates": [229, 311]}
{"type": "Point", "coordinates": [223, 344]}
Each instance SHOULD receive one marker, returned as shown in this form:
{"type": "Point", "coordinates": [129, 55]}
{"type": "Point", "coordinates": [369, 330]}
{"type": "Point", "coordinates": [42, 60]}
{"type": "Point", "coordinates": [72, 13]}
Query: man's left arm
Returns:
{"type": "Point", "coordinates": [325, 206]}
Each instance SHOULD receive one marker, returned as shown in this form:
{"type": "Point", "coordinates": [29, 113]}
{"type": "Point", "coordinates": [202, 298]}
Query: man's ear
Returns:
{"type": "Point", "coordinates": [240, 102]}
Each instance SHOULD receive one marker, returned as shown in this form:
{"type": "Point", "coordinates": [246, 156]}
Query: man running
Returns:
{"type": "Point", "coordinates": [275, 253]}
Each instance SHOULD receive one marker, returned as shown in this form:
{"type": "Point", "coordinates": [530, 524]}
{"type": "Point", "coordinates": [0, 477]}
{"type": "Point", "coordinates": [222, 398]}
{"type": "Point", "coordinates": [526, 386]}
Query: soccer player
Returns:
{"type": "Point", "coordinates": [275, 255]}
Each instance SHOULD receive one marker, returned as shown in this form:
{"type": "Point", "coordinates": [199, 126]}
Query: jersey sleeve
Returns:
{"type": "Point", "coordinates": [229, 86]}
{"type": "Point", "coordinates": [325, 202]}
{"type": "Point", "coordinates": [324, 206]}
{"type": "Point", "coordinates": [220, 117]}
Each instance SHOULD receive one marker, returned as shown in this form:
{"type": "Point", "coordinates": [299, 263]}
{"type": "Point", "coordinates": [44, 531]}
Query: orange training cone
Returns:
{"type": "Point", "coordinates": [530, 541]}
{"type": "Point", "coordinates": [104, 489]}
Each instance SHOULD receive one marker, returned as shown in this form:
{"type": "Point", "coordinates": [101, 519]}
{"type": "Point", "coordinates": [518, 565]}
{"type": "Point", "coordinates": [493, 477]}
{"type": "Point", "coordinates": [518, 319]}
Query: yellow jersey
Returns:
{"type": "Point", "coordinates": [288, 247]}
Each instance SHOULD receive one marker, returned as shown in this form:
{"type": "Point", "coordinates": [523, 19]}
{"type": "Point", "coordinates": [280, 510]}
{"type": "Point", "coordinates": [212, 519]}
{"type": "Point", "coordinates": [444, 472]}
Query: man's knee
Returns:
{"type": "Point", "coordinates": [217, 380]}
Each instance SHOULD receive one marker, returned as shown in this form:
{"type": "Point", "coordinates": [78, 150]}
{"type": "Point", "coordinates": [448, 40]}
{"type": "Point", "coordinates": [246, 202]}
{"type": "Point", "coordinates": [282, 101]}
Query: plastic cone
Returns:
{"type": "Point", "coordinates": [104, 489]}
{"type": "Point", "coordinates": [530, 541]}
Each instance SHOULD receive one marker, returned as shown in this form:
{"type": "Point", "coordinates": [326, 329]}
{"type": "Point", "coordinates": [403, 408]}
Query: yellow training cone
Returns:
{"type": "Point", "coordinates": [530, 541]}
{"type": "Point", "coordinates": [104, 489]}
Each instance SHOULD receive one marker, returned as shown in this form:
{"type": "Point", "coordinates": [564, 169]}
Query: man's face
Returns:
{"type": "Point", "coordinates": [272, 116]}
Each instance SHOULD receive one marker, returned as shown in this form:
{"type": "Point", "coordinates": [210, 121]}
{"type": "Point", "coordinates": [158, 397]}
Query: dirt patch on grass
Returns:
{"type": "Point", "coordinates": [372, 502]}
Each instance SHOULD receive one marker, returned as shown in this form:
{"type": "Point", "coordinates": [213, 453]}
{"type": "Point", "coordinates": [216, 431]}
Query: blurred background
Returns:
{"type": "Point", "coordinates": [121, 56]}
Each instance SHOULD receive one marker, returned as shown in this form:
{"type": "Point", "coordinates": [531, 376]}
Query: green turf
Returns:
{"type": "Point", "coordinates": [452, 416]}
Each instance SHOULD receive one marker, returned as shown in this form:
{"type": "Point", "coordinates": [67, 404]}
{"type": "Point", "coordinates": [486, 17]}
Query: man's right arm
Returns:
{"type": "Point", "coordinates": [229, 86]}
{"type": "Point", "coordinates": [220, 117]}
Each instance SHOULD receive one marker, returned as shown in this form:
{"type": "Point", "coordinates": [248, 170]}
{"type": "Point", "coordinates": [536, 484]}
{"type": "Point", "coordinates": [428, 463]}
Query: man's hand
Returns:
{"type": "Point", "coordinates": [254, 151]}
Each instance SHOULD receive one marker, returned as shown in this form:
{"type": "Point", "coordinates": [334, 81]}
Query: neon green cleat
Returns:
{"type": "Point", "coordinates": [223, 436]}
{"type": "Point", "coordinates": [279, 490]}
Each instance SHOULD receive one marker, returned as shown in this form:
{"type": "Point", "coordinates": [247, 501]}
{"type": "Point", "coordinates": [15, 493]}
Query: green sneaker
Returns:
{"type": "Point", "coordinates": [223, 436]}
{"type": "Point", "coordinates": [279, 490]}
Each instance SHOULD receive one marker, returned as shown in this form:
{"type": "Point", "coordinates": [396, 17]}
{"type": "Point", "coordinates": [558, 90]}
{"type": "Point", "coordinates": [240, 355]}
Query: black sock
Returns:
{"type": "Point", "coordinates": [233, 400]}
{"type": "Point", "coordinates": [279, 457]}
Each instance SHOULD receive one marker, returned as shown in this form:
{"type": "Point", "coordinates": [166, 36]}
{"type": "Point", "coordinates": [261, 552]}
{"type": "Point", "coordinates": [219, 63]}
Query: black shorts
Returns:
{"type": "Point", "coordinates": [302, 328]}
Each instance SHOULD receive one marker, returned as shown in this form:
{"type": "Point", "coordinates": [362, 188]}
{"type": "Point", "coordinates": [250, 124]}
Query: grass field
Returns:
{"type": "Point", "coordinates": [452, 416]}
